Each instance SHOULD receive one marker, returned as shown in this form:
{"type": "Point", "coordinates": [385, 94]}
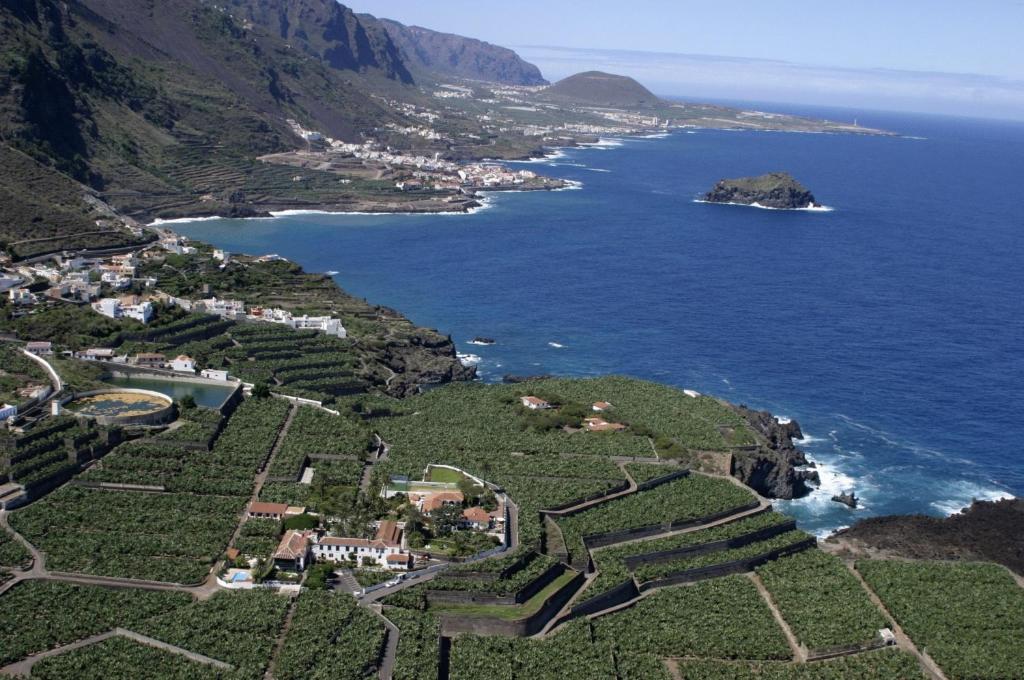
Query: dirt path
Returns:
{"type": "Point", "coordinates": [387, 664]}
{"type": "Point", "coordinates": [799, 654]}
{"type": "Point", "coordinates": [279, 645]}
{"type": "Point", "coordinates": [928, 664]}
{"type": "Point", "coordinates": [261, 478]}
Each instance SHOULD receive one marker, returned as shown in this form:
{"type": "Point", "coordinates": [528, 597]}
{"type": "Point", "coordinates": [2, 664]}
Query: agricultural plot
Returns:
{"type": "Point", "coordinates": [171, 537]}
{"type": "Point", "coordinates": [968, 617]}
{"type": "Point", "coordinates": [723, 618]}
{"type": "Point", "coordinates": [502, 586]}
{"type": "Point", "coordinates": [118, 658]}
{"type": "Point", "coordinates": [226, 470]}
{"type": "Point", "coordinates": [683, 499]}
{"type": "Point", "coordinates": [330, 637]}
{"type": "Point", "coordinates": [823, 603]}
{"type": "Point", "coordinates": [660, 570]}
{"type": "Point", "coordinates": [488, 419]}
{"type": "Point", "coordinates": [570, 655]}
{"type": "Point", "coordinates": [12, 553]}
{"type": "Point", "coordinates": [316, 432]}
{"type": "Point", "coordinates": [890, 664]}
{"type": "Point", "coordinates": [417, 654]}
{"type": "Point", "coordinates": [258, 538]}
{"type": "Point", "coordinates": [45, 614]}
{"type": "Point", "coordinates": [16, 372]}
{"type": "Point", "coordinates": [644, 472]}
{"type": "Point", "coordinates": [239, 628]}
{"type": "Point", "coordinates": [610, 561]}
{"type": "Point", "coordinates": [53, 449]}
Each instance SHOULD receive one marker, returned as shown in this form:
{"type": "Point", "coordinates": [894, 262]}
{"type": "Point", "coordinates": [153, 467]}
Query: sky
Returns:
{"type": "Point", "coordinates": [918, 55]}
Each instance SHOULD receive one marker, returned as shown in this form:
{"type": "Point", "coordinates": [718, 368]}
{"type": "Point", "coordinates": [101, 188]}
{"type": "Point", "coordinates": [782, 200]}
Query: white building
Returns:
{"type": "Point", "coordinates": [20, 296]}
{"type": "Point", "coordinates": [229, 309]}
{"type": "Point", "coordinates": [385, 549]}
{"type": "Point", "coordinates": [213, 374]}
{"type": "Point", "coordinates": [115, 280]}
{"type": "Point", "coordinates": [326, 324]}
{"type": "Point", "coordinates": [184, 364]}
{"type": "Point", "coordinates": [534, 403]}
{"type": "Point", "coordinates": [115, 309]}
{"type": "Point", "coordinates": [8, 411]}
{"type": "Point", "coordinates": [222, 255]}
{"type": "Point", "coordinates": [40, 348]}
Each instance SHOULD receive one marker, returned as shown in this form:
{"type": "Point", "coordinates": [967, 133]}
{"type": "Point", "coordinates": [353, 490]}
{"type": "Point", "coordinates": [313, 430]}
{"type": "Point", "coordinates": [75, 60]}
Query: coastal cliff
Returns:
{"type": "Point", "coordinates": [777, 190]}
{"type": "Point", "coordinates": [771, 468]}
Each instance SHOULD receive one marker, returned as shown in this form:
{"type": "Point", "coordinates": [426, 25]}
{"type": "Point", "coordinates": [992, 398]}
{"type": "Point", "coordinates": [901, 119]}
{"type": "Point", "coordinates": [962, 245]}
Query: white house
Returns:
{"type": "Point", "coordinates": [214, 374]}
{"type": "Point", "coordinates": [39, 348]}
{"type": "Point", "coordinates": [97, 354]}
{"type": "Point", "coordinates": [183, 363]}
{"type": "Point", "coordinates": [21, 296]}
{"type": "Point", "coordinates": [222, 255]}
{"type": "Point", "coordinates": [231, 309]}
{"type": "Point", "coordinates": [115, 309]}
{"type": "Point", "coordinates": [115, 280]}
{"type": "Point", "coordinates": [385, 549]}
{"type": "Point", "coordinates": [534, 403]}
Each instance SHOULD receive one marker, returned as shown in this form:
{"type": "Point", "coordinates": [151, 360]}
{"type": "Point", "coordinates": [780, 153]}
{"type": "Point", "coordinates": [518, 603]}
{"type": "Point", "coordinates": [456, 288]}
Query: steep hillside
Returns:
{"type": "Point", "coordinates": [159, 106]}
{"type": "Point", "coordinates": [595, 88]}
{"type": "Point", "coordinates": [450, 55]}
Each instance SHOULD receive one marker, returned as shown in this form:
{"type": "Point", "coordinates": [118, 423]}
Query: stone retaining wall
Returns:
{"type": "Point", "coordinates": [635, 561]}
{"type": "Point", "coordinates": [726, 568]}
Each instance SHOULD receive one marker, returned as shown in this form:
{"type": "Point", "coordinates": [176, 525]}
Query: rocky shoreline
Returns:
{"type": "Point", "coordinates": [773, 467]}
{"type": "Point", "coordinates": [986, 531]}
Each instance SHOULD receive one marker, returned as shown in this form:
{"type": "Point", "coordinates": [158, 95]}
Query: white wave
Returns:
{"type": "Point", "coordinates": [332, 272]}
{"type": "Point", "coordinates": [783, 420]}
{"type": "Point", "coordinates": [556, 345]}
{"type": "Point", "coordinates": [597, 170]}
{"type": "Point", "coordinates": [966, 493]}
{"type": "Point", "coordinates": [468, 359]}
{"type": "Point", "coordinates": [656, 135]}
{"type": "Point", "coordinates": [809, 439]}
{"type": "Point", "coordinates": [570, 185]}
{"type": "Point", "coordinates": [475, 342]}
{"type": "Point", "coordinates": [183, 220]}
{"type": "Point", "coordinates": [755, 204]}
{"type": "Point", "coordinates": [834, 481]}
{"type": "Point", "coordinates": [691, 132]}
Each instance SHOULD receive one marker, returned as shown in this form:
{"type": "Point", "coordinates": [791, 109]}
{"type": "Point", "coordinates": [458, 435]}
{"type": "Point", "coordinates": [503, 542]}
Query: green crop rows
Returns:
{"type": "Point", "coordinates": [417, 644]}
{"type": "Point", "coordinates": [45, 614]}
{"type": "Point", "coordinates": [161, 537]}
{"type": "Point", "coordinates": [888, 664]}
{"type": "Point", "coordinates": [330, 637]}
{"type": "Point", "coordinates": [968, 617]}
{"type": "Point", "coordinates": [610, 561]}
{"type": "Point", "coordinates": [118, 658]}
{"type": "Point", "coordinates": [820, 599]}
{"type": "Point", "coordinates": [653, 572]}
{"type": "Point", "coordinates": [682, 499]}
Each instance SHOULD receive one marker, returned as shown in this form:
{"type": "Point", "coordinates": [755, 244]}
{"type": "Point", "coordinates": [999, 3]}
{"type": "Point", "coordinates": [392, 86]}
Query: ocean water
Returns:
{"type": "Point", "coordinates": [891, 328]}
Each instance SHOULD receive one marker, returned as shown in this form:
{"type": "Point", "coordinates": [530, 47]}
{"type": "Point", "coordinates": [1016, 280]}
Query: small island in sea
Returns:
{"type": "Point", "coordinates": [777, 190]}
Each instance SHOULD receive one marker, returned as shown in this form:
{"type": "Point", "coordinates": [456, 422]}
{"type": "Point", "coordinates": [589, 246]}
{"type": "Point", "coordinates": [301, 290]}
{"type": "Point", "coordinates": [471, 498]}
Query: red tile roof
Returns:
{"type": "Point", "coordinates": [261, 508]}
{"type": "Point", "coordinates": [477, 515]}
{"type": "Point", "coordinates": [398, 558]}
{"type": "Point", "coordinates": [293, 545]}
{"type": "Point", "coordinates": [389, 533]}
{"type": "Point", "coordinates": [436, 500]}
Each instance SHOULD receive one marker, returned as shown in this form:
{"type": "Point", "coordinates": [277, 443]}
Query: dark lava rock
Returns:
{"type": "Point", "coordinates": [772, 466]}
{"type": "Point", "coordinates": [515, 379]}
{"type": "Point", "coordinates": [774, 190]}
{"type": "Point", "coordinates": [847, 499]}
{"type": "Point", "coordinates": [480, 340]}
{"type": "Point", "coordinates": [988, 530]}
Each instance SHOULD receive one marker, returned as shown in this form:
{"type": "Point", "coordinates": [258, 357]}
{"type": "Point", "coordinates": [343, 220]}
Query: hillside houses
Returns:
{"type": "Point", "coordinates": [128, 307]}
{"type": "Point", "coordinates": [325, 324]}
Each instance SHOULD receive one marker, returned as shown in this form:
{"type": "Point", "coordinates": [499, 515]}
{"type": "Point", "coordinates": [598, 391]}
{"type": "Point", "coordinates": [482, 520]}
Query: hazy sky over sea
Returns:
{"type": "Point", "coordinates": [916, 55]}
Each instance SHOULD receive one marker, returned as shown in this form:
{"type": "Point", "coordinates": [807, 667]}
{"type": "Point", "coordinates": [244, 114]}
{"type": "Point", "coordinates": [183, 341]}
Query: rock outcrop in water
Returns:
{"type": "Point", "coordinates": [775, 190]}
{"type": "Point", "coordinates": [850, 499]}
{"type": "Point", "coordinates": [771, 468]}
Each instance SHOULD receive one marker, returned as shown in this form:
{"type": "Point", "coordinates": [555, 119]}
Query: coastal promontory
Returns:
{"type": "Point", "coordinates": [777, 190]}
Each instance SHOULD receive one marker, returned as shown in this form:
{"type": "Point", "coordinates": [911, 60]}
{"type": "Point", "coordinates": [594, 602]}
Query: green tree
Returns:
{"type": "Point", "coordinates": [261, 390]}
{"type": "Point", "coordinates": [445, 519]}
{"type": "Point", "coordinates": [187, 403]}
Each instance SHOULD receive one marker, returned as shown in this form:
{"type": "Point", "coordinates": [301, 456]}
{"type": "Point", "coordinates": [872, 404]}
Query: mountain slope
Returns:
{"type": "Point", "coordinates": [595, 88]}
{"type": "Point", "coordinates": [155, 106]}
{"type": "Point", "coordinates": [445, 54]}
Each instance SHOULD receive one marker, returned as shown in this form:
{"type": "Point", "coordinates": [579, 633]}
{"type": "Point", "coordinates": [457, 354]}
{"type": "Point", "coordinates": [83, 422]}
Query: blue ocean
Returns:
{"type": "Point", "coordinates": [891, 328]}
